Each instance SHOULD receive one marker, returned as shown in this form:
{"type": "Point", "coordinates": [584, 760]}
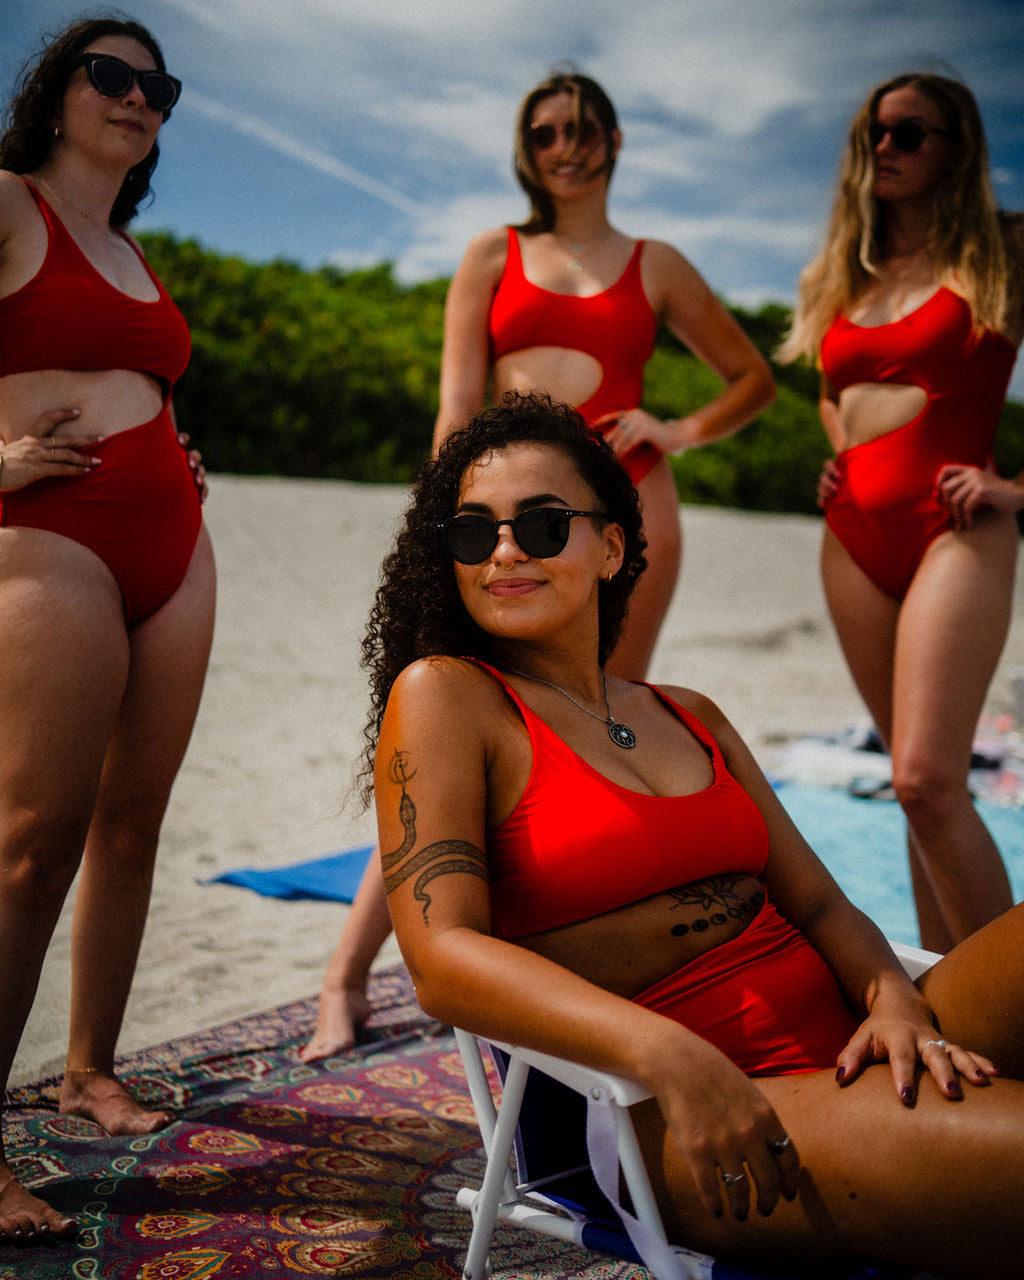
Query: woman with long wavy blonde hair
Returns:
{"type": "Point", "coordinates": [914, 311]}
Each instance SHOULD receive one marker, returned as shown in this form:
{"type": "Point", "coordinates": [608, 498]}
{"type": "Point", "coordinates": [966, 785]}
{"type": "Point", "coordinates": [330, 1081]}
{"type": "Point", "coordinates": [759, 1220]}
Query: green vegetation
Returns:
{"type": "Point", "coordinates": [334, 373]}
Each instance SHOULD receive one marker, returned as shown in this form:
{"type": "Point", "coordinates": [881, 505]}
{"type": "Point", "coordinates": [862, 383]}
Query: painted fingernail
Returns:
{"type": "Point", "coordinates": [841, 1074]}
{"type": "Point", "coordinates": [907, 1094]}
{"type": "Point", "coordinates": [954, 1090]}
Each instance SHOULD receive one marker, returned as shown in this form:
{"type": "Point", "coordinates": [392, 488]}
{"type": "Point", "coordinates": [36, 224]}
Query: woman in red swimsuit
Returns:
{"type": "Point", "coordinates": [596, 868]}
{"type": "Point", "coordinates": [915, 310]}
{"type": "Point", "coordinates": [567, 304]}
{"type": "Point", "coordinates": [106, 571]}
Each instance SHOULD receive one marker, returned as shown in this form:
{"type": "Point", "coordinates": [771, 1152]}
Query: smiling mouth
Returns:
{"type": "Point", "coordinates": [512, 586]}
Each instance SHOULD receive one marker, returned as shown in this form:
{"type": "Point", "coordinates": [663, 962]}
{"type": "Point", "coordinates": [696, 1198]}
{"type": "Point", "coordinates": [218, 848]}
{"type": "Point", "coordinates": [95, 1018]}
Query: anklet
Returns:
{"type": "Point", "coordinates": [81, 1071]}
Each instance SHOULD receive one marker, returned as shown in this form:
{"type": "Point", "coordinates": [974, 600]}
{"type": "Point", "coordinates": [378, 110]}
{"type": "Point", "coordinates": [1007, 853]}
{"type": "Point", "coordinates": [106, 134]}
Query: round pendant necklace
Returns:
{"type": "Point", "coordinates": [621, 734]}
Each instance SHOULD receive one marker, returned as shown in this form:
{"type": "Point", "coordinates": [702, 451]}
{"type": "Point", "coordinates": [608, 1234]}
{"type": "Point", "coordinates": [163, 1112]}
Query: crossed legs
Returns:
{"type": "Point", "coordinates": [923, 667]}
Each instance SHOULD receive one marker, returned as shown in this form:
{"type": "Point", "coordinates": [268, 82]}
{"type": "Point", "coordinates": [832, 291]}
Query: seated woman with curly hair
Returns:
{"type": "Point", "coordinates": [597, 869]}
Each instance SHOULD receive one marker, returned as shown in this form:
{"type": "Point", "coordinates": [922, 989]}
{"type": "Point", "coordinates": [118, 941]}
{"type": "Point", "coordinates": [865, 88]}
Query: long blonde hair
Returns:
{"type": "Point", "coordinates": [967, 239]}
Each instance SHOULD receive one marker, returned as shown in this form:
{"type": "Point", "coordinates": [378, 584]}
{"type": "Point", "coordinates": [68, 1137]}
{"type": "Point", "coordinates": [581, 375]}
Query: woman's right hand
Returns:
{"type": "Point", "coordinates": [828, 482]}
{"type": "Point", "coordinates": [729, 1134]}
{"type": "Point", "coordinates": [38, 456]}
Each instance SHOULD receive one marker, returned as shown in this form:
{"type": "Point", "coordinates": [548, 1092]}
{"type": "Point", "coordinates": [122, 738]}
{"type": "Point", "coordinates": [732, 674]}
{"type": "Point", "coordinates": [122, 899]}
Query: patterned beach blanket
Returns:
{"type": "Point", "coordinates": [347, 1168]}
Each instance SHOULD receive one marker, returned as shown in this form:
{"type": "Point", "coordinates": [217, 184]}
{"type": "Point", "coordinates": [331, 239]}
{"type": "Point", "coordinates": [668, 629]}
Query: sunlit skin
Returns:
{"type": "Point", "coordinates": [576, 174]}
{"type": "Point", "coordinates": [96, 718]}
{"type": "Point", "coordinates": [901, 1113]}
{"type": "Point", "coordinates": [923, 665]}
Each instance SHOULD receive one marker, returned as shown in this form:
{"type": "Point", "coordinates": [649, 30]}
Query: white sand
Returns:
{"type": "Point", "coordinates": [280, 727]}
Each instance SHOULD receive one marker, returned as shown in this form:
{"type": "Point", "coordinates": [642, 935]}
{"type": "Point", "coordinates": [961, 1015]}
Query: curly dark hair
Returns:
{"type": "Point", "coordinates": [28, 122]}
{"type": "Point", "coordinates": [418, 612]}
{"type": "Point", "coordinates": [584, 93]}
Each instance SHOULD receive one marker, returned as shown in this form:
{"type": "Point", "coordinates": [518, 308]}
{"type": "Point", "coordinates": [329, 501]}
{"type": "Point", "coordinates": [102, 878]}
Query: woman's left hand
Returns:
{"type": "Point", "coordinates": [968, 490]}
{"type": "Point", "coordinates": [896, 1032]}
{"type": "Point", "coordinates": [195, 461]}
{"type": "Point", "coordinates": [627, 428]}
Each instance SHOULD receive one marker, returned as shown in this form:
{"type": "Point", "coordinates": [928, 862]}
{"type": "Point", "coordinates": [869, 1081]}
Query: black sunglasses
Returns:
{"type": "Point", "coordinates": [540, 532]}
{"type": "Point", "coordinates": [907, 135]}
{"type": "Point", "coordinates": [543, 136]}
{"type": "Point", "coordinates": [113, 78]}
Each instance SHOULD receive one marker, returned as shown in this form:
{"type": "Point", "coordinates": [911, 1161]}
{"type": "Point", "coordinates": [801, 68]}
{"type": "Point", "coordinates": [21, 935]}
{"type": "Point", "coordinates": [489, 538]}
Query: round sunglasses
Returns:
{"type": "Point", "coordinates": [906, 135]}
{"type": "Point", "coordinates": [113, 78]}
{"type": "Point", "coordinates": [542, 136]}
{"type": "Point", "coordinates": [540, 532]}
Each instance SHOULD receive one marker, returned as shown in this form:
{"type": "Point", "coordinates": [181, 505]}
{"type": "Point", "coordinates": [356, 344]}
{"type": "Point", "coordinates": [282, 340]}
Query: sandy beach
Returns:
{"type": "Point", "coordinates": [267, 777]}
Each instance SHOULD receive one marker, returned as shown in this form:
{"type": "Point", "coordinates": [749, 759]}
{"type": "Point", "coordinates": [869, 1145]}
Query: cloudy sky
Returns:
{"type": "Point", "coordinates": [355, 131]}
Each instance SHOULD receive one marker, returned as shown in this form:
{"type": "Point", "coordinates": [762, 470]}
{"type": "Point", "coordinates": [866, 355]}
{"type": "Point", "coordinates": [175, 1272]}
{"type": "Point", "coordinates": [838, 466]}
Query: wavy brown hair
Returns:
{"type": "Point", "coordinates": [584, 93]}
{"type": "Point", "coordinates": [42, 83]}
{"type": "Point", "coordinates": [968, 236]}
{"type": "Point", "coordinates": [418, 612]}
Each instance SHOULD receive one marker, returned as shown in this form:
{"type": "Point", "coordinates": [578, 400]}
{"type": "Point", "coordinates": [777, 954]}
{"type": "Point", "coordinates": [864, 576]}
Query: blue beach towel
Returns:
{"type": "Point", "coordinates": [334, 878]}
{"type": "Point", "coordinates": [864, 844]}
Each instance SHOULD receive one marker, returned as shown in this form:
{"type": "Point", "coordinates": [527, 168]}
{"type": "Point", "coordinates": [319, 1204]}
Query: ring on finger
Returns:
{"type": "Point", "coordinates": [941, 1043]}
{"type": "Point", "coordinates": [779, 1145]}
{"type": "Point", "coordinates": [730, 1179]}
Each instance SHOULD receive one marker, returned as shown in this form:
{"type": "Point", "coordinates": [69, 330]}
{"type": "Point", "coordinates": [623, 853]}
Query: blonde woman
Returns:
{"type": "Point", "coordinates": [913, 310]}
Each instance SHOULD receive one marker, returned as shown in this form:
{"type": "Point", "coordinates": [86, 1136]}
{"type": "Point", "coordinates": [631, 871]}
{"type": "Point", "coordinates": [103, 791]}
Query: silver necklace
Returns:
{"type": "Point", "coordinates": [621, 734]}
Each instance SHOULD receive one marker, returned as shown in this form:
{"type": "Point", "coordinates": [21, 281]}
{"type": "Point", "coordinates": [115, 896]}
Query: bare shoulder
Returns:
{"type": "Point", "coordinates": [700, 705]}
{"type": "Point", "coordinates": [450, 692]}
{"type": "Point", "coordinates": [664, 260]}
{"type": "Point", "coordinates": [16, 204]}
{"type": "Point", "coordinates": [486, 252]}
{"type": "Point", "coordinates": [677, 291]}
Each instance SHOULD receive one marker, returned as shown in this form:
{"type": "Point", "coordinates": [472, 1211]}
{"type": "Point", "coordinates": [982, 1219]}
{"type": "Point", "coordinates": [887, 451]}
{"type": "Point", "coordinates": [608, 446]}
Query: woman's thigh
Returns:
{"type": "Point", "coordinates": [879, 1178]}
{"type": "Point", "coordinates": [169, 657]}
{"type": "Point", "coordinates": [977, 992]}
{"type": "Point", "coordinates": [63, 667]}
{"type": "Point", "coordinates": [952, 629]}
{"type": "Point", "coordinates": [865, 619]}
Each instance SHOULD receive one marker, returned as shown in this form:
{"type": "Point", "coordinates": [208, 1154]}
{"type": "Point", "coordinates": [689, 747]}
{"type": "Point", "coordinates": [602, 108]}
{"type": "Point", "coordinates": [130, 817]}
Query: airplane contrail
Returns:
{"type": "Point", "coordinates": [300, 151]}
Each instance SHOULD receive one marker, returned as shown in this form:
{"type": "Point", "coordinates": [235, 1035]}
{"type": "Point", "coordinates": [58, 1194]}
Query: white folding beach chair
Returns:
{"type": "Point", "coordinates": [567, 1185]}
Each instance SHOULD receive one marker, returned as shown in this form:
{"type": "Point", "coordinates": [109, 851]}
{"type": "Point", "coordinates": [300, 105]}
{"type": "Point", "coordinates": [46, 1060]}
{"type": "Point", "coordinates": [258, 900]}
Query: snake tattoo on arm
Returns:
{"type": "Point", "coordinates": [445, 857]}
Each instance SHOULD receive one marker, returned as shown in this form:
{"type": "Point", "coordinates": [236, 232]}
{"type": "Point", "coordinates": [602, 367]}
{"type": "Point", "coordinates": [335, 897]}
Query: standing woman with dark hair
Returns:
{"type": "Point", "coordinates": [106, 572]}
{"type": "Point", "coordinates": [568, 305]}
{"type": "Point", "coordinates": [914, 308]}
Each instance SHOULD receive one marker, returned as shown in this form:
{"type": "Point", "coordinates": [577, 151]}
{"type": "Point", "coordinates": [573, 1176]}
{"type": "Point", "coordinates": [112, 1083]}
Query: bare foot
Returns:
{"type": "Point", "coordinates": [339, 1016]}
{"type": "Point", "coordinates": [103, 1098]}
{"type": "Point", "coordinates": [24, 1218]}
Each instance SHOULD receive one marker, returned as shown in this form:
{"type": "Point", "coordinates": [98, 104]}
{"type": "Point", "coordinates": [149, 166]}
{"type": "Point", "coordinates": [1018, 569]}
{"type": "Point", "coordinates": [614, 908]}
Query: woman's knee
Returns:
{"type": "Point", "coordinates": [931, 792]}
{"type": "Point", "coordinates": [40, 848]}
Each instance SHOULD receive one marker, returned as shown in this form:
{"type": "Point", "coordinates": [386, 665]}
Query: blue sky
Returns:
{"type": "Point", "coordinates": [355, 131]}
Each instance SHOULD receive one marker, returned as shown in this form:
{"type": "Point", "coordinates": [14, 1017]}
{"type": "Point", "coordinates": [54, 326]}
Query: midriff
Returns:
{"type": "Point", "coordinates": [628, 950]}
{"type": "Point", "coordinates": [110, 400]}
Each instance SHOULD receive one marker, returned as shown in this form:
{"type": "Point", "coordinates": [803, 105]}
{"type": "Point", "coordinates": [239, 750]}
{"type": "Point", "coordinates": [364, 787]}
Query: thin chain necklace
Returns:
{"type": "Point", "coordinates": [575, 247]}
{"type": "Point", "coordinates": [44, 182]}
{"type": "Point", "coordinates": [621, 734]}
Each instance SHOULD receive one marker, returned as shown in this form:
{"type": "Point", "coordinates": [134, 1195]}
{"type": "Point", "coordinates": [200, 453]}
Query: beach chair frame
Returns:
{"type": "Point", "coordinates": [614, 1151]}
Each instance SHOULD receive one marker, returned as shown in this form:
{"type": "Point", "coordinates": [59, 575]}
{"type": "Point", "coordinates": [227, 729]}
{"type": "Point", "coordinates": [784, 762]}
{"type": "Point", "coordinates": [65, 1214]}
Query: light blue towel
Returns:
{"type": "Point", "coordinates": [864, 844]}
